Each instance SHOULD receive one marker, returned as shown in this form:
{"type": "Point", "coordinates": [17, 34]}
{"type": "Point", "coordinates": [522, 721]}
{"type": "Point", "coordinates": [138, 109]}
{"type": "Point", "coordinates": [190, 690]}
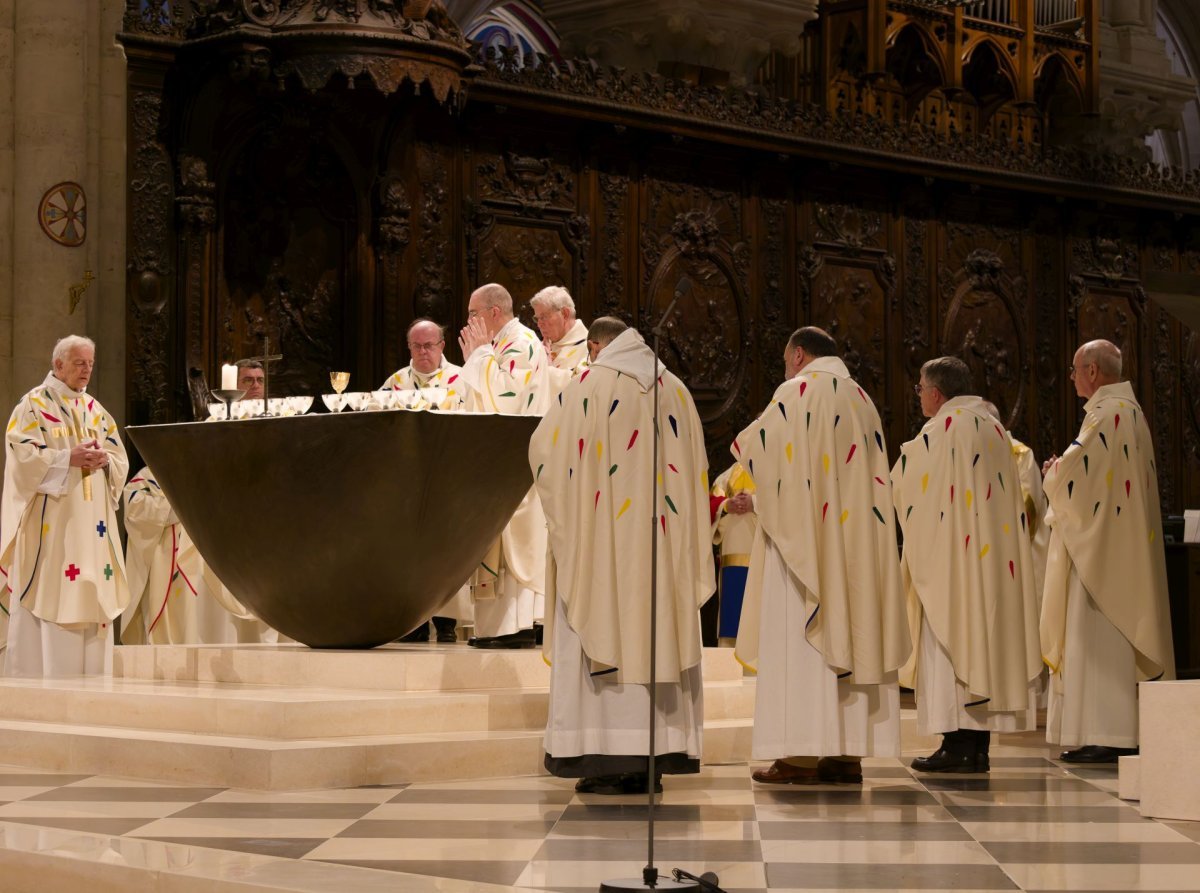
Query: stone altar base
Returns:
{"type": "Point", "coordinates": [285, 717]}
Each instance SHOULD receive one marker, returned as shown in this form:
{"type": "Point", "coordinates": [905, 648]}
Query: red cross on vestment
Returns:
{"type": "Point", "coordinates": [72, 572]}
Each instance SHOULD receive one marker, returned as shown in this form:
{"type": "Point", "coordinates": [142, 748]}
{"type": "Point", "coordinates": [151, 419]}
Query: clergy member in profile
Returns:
{"type": "Point", "coordinates": [564, 336]}
{"type": "Point", "coordinates": [593, 464]}
{"type": "Point", "coordinates": [506, 371]}
{"type": "Point", "coordinates": [968, 568]}
{"type": "Point", "coordinates": [64, 577]}
{"type": "Point", "coordinates": [824, 621]}
{"type": "Point", "coordinates": [175, 597]}
{"type": "Point", "coordinates": [428, 367]}
{"type": "Point", "coordinates": [1106, 621]}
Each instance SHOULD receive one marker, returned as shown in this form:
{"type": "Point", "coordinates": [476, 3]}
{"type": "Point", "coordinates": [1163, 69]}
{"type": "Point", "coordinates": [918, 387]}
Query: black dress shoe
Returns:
{"type": "Point", "coordinates": [420, 634]}
{"type": "Point", "coordinates": [522, 639]}
{"type": "Point", "coordinates": [943, 760]}
{"type": "Point", "coordinates": [624, 783]}
{"type": "Point", "coordinates": [445, 629]}
{"type": "Point", "coordinates": [1096, 753]}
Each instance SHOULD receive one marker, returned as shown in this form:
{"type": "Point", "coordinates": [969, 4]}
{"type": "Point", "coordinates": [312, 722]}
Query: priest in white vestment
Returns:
{"type": "Point", "coordinates": [429, 368]}
{"type": "Point", "coordinates": [593, 463]}
{"type": "Point", "coordinates": [506, 371]}
{"type": "Point", "coordinates": [1106, 621]}
{"type": "Point", "coordinates": [60, 554]}
{"type": "Point", "coordinates": [564, 336]}
{"type": "Point", "coordinates": [968, 569]}
{"type": "Point", "coordinates": [823, 621]}
{"type": "Point", "coordinates": [731, 507]}
{"type": "Point", "coordinates": [431, 381]}
{"type": "Point", "coordinates": [176, 599]}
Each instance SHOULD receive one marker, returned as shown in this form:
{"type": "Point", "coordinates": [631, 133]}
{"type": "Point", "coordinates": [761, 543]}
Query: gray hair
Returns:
{"type": "Point", "coordinates": [495, 295]}
{"type": "Point", "coordinates": [993, 409]}
{"type": "Point", "coordinates": [64, 347]}
{"type": "Point", "coordinates": [950, 375]}
{"type": "Point", "coordinates": [1106, 356]}
{"type": "Point", "coordinates": [553, 297]}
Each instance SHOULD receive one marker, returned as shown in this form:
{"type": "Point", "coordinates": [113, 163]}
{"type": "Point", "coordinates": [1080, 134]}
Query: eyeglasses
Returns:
{"type": "Point", "coordinates": [83, 364]}
{"type": "Point", "coordinates": [432, 345]}
{"type": "Point", "coordinates": [917, 388]}
{"type": "Point", "coordinates": [542, 317]}
{"type": "Point", "coordinates": [1072, 371]}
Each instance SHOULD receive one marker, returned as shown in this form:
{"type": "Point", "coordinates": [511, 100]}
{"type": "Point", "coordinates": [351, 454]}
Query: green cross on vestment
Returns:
{"type": "Point", "coordinates": [108, 571]}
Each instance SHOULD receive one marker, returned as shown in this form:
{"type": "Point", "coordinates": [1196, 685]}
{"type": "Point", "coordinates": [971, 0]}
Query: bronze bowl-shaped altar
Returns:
{"type": "Point", "coordinates": [349, 530]}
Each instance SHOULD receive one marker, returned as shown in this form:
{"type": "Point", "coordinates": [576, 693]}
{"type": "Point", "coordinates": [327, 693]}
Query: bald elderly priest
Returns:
{"type": "Point", "coordinates": [593, 464]}
{"type": "Point", "coordinates": [64, 580]}
{"type": "Point", "coordinates": [506, 370]}
{"type": "Point", "coordinates": [823, 620]}
{"type": "Point", "coordinates": [1106, 621]}
{"type": "Point", "coordinates": [968, 568]}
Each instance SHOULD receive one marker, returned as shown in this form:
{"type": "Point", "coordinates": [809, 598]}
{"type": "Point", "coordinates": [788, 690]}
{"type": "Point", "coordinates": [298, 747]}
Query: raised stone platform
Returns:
{"type": "Point", "coordinates": [285, 717]}
{"type": "Point", "coordinates": [1165, 777]}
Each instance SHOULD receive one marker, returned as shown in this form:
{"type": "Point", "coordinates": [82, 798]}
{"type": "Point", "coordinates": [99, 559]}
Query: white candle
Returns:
{"type": "Point", "coordinates": [229, 377]}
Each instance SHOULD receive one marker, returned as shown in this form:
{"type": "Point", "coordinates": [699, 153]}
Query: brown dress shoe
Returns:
{"type": "Point", "coordinates": [780, 772]}
{"type": "Point", "coordinates": [834, 771]}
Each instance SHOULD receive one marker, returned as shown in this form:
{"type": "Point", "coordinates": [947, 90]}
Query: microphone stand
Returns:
{"type": "Point", "coordinates": [650, 879]}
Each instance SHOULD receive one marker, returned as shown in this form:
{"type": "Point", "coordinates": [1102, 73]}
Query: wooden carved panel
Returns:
{"type": "Point", "coordinates": [524, 257]}
{"type": "Point", "coordinates": [287, 260]}
{"type": "Point", "coordinates": [982, 294]}
{"type": "Point", "coordinates": [850, 301]}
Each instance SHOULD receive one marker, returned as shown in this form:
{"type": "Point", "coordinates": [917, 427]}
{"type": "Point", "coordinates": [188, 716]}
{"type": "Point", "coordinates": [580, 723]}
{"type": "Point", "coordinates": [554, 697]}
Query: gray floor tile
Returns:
{"type": "Point", "coordinates": [1021, 762]}
{"type": "Point", "coordinates": [626, 812]}
{"type": "Point", "coordinates": [595, 850]}
{"type": "Point", "coordinates": [283, 847]}
{"type": "Point", "coordinates": [112, 826]}
{"type": "Point", "coordinates": [949, 783]}
{"type": "Point", "coordinates": [457, 795]}
{"type": "Point", "coordinates": [770, 830]}
{"type": "Point", "coordinates": [440, 828]}
{"type": "Point", "coordinates": [831, 876]}
{"type": "Point", "coordinates": [799, 794]}
{"type": "Point", "coordinates": [285, 810]}
{"type": "Point", "coordinates": [1044, 814]}
{"type": "Point", "coordinates": [38, 780]}
{"type": "Point", "coordinates": [1095, 853]}
{"type": "Point", "coordinates": [505, 873]}
{"type": "Point", "coordinates": [1187, 829]}
{"type": "Point", "coordinates": [149, 794]}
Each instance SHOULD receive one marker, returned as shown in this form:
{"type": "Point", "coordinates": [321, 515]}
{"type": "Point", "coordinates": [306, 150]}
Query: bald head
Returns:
{"type": "Point", "coordinates": [1096, 364]}
{"type": "Point", "coordinates": [426, 341]}
{"type": "Point", "coordinates": [601, 334]}
{"type": "Point", "coordinates": [493, 304]}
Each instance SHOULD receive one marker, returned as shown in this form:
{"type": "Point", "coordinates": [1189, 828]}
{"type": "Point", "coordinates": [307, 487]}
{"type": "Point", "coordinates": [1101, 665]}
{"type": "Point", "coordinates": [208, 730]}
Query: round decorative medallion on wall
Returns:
{"type": "Point", "coordinates": [63, 214]}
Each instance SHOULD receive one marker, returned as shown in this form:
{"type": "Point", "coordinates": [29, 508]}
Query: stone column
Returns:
{"type": "Point", "coordinates": [1138, 91]}
{"type": "Point", "coordinates": [62, 87]}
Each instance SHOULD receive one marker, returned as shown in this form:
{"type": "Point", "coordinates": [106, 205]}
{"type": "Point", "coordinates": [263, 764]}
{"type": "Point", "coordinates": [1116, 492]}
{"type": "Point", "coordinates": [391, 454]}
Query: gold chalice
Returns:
{"type": "Point", "coordinates": [339, 380]}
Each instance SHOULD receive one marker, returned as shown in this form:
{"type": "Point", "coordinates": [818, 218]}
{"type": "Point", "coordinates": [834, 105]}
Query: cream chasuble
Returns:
{"type": "Point", "coordinates": [592, 463]}
{"type": "Point", "coordinates": [568, 355]}
{"type": "Point", "coordinates": [60, 561]}
{"type": "Point", "coordinates": [445, 378]}
{"type": "Point", "coordinates": [1036, 507]}
{"type": "Point", "coordinates": [510, 375]}
{"type": "Point", "coordinates": [1106, 527]}
{"type": "Point", "coordinates": [592, 458]}
{"type": "Point", "coordinates": [968, 566]}
{"type": "Point", "coordinates": [818, 458]}
{"type": "Point", "coordinates": [176, 597]}
{"type": "Point", "coordinates": [733, 533]}
{"type": "Point", "coordinates": [823, 620]}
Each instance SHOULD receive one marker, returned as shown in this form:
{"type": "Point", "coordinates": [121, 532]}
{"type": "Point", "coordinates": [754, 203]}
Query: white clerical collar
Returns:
{"type": "Point", "coordinates": [1120, 389]}
{"type": "Point", "coordinates": [54, 382]}
{"type": "Point", "coordinates": [577, 334]}
{"type": "Point", "coordinates": [832, 365]}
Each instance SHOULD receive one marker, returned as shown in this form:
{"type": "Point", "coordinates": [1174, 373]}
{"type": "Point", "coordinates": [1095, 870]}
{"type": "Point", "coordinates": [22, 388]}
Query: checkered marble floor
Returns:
{"type": "Point", "coordinates": [1032, 824]}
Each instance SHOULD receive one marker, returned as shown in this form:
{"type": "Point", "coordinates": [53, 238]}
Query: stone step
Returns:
{"type": "Point", "coordinates": [289, 713]}
{"type": "Point", "coordinates": [395, 667]}
{"type": "Point", "coordinates": [300, 764]}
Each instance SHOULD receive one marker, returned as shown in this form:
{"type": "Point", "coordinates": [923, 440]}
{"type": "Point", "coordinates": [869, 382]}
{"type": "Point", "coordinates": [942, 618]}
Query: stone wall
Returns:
{"type": "Point", "coordinates": [62, 117]}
